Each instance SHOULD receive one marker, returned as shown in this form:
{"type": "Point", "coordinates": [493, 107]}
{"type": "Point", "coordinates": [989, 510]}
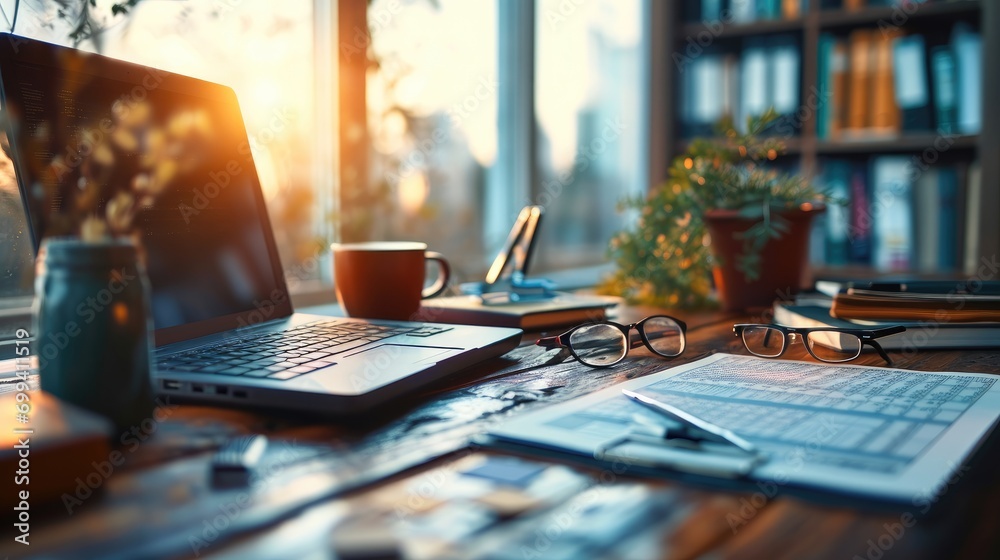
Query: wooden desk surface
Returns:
{"type": "Point", "coordinates": [159, 502]}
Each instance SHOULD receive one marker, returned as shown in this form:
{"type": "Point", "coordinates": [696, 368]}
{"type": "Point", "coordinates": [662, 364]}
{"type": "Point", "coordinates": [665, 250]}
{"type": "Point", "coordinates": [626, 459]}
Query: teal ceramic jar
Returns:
{"type": "Point", "coordinates": [93, 327]}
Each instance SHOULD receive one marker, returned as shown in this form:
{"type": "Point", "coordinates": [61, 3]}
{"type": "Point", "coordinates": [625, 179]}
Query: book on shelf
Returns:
{"type": "Point", "coordinates": [884, 114]}
{"type": "Point", "coordinates": [702, 101]}
{"type": "Point", "coordinates": [711, 10]}
{"type": "Point", "coordinates": [836, 181]}
{"type": "Point", "coordinates": [973, 200]}
{"type": "Point", "coordinates": [935, 197]}
{"type": "Point", "coordinates": [945, 95]}
{"type": "Point", "coordinates": [783, 71]}
{"type": "Point", "coordinates": [792, 9]}
{"type": "Point", "coordinates": [754, 82]}
{"type": "Point", "coordinates": [767, 9]}
{"type": "Point", "coordinates": [743, 11]}
{"type": "Point", "coordinates": [909, 70]}
{"type": "Point", "coordinates": [918, 335]}
{"type": "Point", "coordinates": [564, 309]}
{"type": "Point", "coordinates": [860, 78]}
{"type": "Point", "coordinates": [860, 248]}
{"type": "Point", "coordinates": [967, 46]}
{"type": "Point", "coordinates": [831, 85]}
{"type": "Point", "coordinates": [892, 213]}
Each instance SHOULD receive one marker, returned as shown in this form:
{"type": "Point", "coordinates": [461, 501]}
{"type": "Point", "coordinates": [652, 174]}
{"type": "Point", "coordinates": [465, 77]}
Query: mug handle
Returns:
{"type": "Point", "coordinates": [441, 283]}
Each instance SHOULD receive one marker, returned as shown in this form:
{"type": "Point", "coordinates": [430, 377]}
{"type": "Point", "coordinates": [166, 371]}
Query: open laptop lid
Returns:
{"type": "Point", "coordinates": [82, 127]}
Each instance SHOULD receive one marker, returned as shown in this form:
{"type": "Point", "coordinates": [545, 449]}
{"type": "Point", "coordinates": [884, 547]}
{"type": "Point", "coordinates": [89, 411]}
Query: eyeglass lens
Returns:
{"type": "Point", "coordinates": [764, 341]}
{"type": "Point", "coordinates": [665, 336]}
{"type": "Point", "coordinates": [599, 344]}
{"type": "Point", "coordinates": [828, 346]}
{"type": "Point", "coordinates": [832, 346]}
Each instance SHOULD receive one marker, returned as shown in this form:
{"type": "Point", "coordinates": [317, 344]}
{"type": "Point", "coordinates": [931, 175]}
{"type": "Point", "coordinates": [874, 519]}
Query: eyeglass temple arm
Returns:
{"type": "Point", "coordinates": [549, 342]}
{"type": "Point", "coordinates": [879, 333]}
{"type": "Point", "coordinates": [881, 352]}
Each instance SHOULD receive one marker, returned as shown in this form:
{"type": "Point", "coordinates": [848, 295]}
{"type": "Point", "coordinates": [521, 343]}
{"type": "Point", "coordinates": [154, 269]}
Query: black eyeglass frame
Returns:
{"type": "Point", "coordinates": [562, 340]}
{"type": "Point", "coordinates": [866, 336]}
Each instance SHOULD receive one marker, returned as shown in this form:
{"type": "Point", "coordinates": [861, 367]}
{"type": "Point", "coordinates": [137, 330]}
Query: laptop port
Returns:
{"type": "Point", "coordinates": [240, 394]}
{"type": "Point", "coordinates": [221, 390]}
{"type": "Point", "coordinates": [197, 388]}
{"type": "Point", "coordinates": [171, 385]}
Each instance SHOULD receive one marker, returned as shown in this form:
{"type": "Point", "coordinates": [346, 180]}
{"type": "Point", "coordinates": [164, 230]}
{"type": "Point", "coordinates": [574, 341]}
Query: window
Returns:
{"type": "Point", "coordinates": [452, 95]}
{"type": "Point", "coordinates": [475, 109]}
{"type": "Point", "coordinates": [265, 51]}
{"type": "Point", "coordinates": [588, 106]}
{"type": "Point", "coordinates": [432, 117]}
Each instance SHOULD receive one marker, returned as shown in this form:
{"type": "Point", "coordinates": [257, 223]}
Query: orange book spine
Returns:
{"type": "Point", "coordinates": [790, 9]}
{"type": "Point", "coordinates": [859, 80]}
{"type": "Point", "coordinates": [885, 114]}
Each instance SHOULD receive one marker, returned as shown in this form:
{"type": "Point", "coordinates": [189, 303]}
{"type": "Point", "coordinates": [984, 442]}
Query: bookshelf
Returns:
{"type": "Point", "coordinates": [809, 151]}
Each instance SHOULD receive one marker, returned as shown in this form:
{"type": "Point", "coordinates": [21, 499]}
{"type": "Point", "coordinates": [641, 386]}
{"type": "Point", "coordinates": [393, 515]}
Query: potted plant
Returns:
{"type": "Point", "coordinates": [724, 215]}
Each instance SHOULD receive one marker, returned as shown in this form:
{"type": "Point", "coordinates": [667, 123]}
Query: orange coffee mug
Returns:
{"type": "Point", "coordinates": [385, 279]}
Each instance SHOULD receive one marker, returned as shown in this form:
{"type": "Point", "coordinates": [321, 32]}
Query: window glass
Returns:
{"type": "Point", "coordinates": [588, 105]}
{"type": "Point", "coordinates": [264, 50]}
{"type": "Point", "coordinates": [432, 113]}
{"type": "Point", "coordinates": [16, 256]}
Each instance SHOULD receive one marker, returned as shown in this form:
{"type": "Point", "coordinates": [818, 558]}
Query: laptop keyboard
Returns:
{"type": "Point", "coordinates": [287, 354]}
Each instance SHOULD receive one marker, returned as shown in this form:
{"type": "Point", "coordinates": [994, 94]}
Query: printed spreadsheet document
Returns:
{"type": "Point", "coordinates": [889, 433]}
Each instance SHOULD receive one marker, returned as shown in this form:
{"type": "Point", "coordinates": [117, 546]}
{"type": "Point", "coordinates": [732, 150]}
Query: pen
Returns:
{"type": "Point", "coordinates": [691, 421]}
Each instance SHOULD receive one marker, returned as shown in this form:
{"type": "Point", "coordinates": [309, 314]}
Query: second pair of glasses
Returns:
{"type": "Point", "coordinates": [606, 343]}
{"type": "Point", "coordinates": [826, 344]}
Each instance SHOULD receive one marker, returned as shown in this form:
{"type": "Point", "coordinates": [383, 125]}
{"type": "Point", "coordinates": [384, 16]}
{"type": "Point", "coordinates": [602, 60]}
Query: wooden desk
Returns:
{"type": "Point", "coordinates": [159, 502]}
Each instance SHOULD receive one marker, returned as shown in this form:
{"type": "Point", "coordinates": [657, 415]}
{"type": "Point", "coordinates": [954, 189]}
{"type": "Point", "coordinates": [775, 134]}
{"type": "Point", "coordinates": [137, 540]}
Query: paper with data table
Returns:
{"type": "Point", "coordinates": [889, 433]}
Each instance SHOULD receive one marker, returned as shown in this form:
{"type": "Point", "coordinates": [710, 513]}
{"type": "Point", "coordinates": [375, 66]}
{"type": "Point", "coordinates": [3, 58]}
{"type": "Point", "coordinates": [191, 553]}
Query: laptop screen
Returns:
{"type": "Point", "coordinates": [92, 135]}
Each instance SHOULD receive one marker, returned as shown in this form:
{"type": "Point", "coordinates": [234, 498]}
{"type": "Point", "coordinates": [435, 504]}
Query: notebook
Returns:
{"type": "Point", "coordinates": [561, 310]}
{"type": "Point", "coordinates": [225, 330]}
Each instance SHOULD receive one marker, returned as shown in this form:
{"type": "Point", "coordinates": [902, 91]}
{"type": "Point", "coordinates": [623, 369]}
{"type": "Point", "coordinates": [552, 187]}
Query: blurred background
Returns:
{"type": "Point", "coordinates": [437, 120]}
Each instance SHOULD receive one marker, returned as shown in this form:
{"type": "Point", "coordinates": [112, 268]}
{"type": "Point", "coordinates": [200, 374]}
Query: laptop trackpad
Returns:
{"type": "Point", "coordinates": [390, 362]}
{"type": "Point", "coordinates": [401, 354]}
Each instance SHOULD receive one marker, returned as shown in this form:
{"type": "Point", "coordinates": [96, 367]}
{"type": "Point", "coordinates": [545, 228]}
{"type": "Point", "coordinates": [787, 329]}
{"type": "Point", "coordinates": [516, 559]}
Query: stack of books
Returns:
{"type": "Point", "coordinates": [935, 314]}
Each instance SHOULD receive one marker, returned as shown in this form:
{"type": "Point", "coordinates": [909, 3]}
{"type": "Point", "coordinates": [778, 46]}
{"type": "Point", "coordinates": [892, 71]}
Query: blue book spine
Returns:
{"type": "Point", "coordinates": [824, 85]}
{"type": "Point", "coordinates": [860, 233]}
{"type": "Point", "coordinates": [948, 192]}
{"type": "Point", "coordinates": [945, 94]}
{"type": "Point", "coordinates": [836, 182]}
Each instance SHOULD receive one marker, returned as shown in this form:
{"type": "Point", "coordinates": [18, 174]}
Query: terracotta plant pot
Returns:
{"type": "Point", "coordinates": [784, 262]}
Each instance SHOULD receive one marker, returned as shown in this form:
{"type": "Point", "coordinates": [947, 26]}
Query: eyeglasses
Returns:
{"type": "Point", "coordinates": [825, 344]}
{"type": "Point", "coordinates": [606, 343]}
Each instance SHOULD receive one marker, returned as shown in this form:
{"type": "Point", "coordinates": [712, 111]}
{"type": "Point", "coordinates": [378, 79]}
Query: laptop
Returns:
{"type": "Point", "coordinates": [225, 330]}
